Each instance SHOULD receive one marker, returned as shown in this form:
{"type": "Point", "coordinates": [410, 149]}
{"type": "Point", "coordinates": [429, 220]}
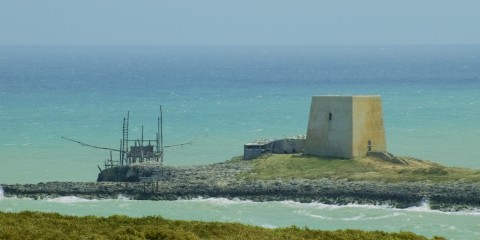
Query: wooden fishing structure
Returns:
{"type": "Point", "coordinates": [139, 150]}
{"type": "Point", "coordinates": [133, 151]}
{"type": "Point", "coordinates": [142, 150]}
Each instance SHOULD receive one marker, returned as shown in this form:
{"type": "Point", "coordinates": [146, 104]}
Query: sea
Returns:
{"type": "Point", "coordinates": [217, 98]}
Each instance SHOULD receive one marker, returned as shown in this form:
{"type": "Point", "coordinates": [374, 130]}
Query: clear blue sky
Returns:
{"type": "Point", "coordinates": [239, 22]}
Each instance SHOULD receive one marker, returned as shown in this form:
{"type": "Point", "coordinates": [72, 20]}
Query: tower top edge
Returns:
{"type": "Point", "coordinates": [346, 96]}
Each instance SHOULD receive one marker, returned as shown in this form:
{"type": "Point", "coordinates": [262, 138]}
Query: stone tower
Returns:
{"type": "Point", "coordinates": [345, 126]}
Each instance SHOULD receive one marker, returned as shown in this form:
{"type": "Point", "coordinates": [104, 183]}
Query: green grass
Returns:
{"type": "Point", "coordinates": [285, 166]}
{"type": "Point", "coordinates": [37, 225]}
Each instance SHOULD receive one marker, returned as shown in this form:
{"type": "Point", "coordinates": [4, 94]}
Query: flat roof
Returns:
{"type": "Point", "coordinates": [347, 96]}
{"type": "Point", "coordinates": [267, 141]}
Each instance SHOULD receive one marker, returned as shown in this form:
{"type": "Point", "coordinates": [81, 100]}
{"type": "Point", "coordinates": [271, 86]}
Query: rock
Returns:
{"type": "Point", "coordinates": [219, 180]}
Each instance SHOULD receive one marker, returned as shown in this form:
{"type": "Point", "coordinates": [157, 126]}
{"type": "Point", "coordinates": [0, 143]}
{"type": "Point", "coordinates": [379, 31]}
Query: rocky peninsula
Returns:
{"type": "Point", "coordinates": [280, 177]}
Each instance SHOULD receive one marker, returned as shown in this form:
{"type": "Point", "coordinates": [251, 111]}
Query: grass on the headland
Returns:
{"type": "Point", "coordinates": [37, 225]}
{"type": "Point", "coordinates": [286, 166]}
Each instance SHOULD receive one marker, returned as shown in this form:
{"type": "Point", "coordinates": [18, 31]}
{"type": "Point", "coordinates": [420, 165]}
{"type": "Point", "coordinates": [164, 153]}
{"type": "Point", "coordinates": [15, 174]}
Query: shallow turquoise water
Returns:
{"type": "Point", "coordinates": [421, 220]}
{"type": "Point", "coordinates": [431, 102]}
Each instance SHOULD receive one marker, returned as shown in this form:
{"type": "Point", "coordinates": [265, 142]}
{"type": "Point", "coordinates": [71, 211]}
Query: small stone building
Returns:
{"type": "Point", "coordinates": [255, 149]}
{"type": "Point", "coordinates": [345, 126]}
{"type": "Point", "coordinates": [289, 145]}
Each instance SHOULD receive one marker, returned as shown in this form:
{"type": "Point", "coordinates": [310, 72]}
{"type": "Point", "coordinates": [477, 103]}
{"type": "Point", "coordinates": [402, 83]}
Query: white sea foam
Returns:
{"type": "Point", "coordinates": [369, 206]}
{"type": "Point", "coordinates": [287, 203]}
{"type": "Point", "coordinates": [423, 207]}
{"type": "Point", "coordinates": [254, 130]}
{"type": "Point", "coordinates": [308, 214]}
{"type": "Point", "coordinates": [74, 199]}
{"type": "Point", "coordinates": [219, 201]}
{"type": "Point", "coordinates": [70, 199]}
{"type": "Point", "coordinates": [303, 207]}
{"type": "Point", "coordinates": [360, 217]}
{"type": "Point", "coordinates": [123, 198]}
{"type": "Point", "coordinates": [2, 193]}
{"type": "Point", "coordinates": [318, 205]}
{"type": "Point", "coordinates": [315, 205]}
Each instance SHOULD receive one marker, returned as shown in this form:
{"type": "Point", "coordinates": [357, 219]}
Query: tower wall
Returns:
{"type": "Point", "coordinates": [329, 130]}
{"type": "Point", "coordinates": [368, 128]}
{"type": "Point", "coordinates": [345, 126]}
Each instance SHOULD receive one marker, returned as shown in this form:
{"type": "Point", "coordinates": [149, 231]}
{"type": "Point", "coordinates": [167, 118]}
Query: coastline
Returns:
{"type": "Point", "coordinates": [220, 181]}
{"type": "Point", "coordinates": [41, 225]}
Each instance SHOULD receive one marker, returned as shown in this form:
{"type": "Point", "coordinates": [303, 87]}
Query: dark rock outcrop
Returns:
{"type": "Point", "coordinates": [221, 180]}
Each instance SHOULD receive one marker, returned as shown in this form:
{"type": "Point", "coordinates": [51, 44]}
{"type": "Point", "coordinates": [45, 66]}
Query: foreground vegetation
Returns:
{"type": "Point", "coordinates": [36, 225]}
{"type": "Point", "coordinates": [285, 166]}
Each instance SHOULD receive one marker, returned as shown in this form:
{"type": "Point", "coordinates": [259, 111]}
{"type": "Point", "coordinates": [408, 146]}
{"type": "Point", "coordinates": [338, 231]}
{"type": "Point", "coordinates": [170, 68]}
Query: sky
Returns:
{"type": "Point", "coordinates": [239, 22]}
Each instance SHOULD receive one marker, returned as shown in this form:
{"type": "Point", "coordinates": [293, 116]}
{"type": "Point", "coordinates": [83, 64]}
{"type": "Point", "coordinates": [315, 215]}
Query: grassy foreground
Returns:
{"type": "Point", "coordinates": [286, 166]}
{"type": "Point", "coordinates": [37, 225]}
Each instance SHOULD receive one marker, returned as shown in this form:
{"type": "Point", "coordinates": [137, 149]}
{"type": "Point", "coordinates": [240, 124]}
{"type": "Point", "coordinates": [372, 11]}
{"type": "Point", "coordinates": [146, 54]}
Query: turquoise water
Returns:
{"type": "Point", "coordinates": [431, 102]}
{"type": "Point", "coordinates": [421, 220]}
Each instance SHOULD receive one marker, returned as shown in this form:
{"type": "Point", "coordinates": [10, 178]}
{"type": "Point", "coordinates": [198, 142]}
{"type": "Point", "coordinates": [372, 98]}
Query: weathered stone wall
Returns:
{"type": "Point", "coordinates": [367, 125]}
{"type": "Point", "coordinates": [329, 130]}
{"type": "Point", "coordinates": [345, 126]}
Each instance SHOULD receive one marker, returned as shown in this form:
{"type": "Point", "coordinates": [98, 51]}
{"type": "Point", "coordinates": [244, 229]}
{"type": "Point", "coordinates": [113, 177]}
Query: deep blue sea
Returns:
{"type": "Point", "coordinates": [220, 98]}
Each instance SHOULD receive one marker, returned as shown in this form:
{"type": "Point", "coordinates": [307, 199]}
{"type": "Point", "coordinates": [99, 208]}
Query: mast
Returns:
{"type": "Point", "coordinates": [121, 152]}
{"type": "Point", "coordinates": [161, 134]}
{"type": "Point", "coordinates": [141, 149]}
{"type": "Point", "coordinates": [124, 146]}
{"type": "Point", "coordinates": [157, 141]}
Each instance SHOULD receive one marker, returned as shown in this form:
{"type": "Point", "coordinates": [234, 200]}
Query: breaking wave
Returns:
{"type": "Point", "coordinates": [123, 197]}
{"type": "Point", "coordinates": [319, 205]}
{"type": "Point", "coordinates": [70, 199]}
{"type": "Point", "coordinates": [422, 207]}
{"type": "Point", "coordinates": [359, 217]}
{"type": "Point", "coordinates": [314, 209]}
{"type": "Point", "coordinates": [255, 130]}
{"type": "Point", "coordinates": [219, 201]}
{"type": "Point", "coordinates": [75, 199]}
{"type": "Point", "coordinates": [2, 193]}
{"type": "Point", "coordinates": [303, 207]}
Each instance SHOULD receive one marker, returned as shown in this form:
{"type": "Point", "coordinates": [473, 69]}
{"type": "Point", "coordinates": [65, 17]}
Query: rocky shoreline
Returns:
{"type": "Point", "coordinates": [152, 182]}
